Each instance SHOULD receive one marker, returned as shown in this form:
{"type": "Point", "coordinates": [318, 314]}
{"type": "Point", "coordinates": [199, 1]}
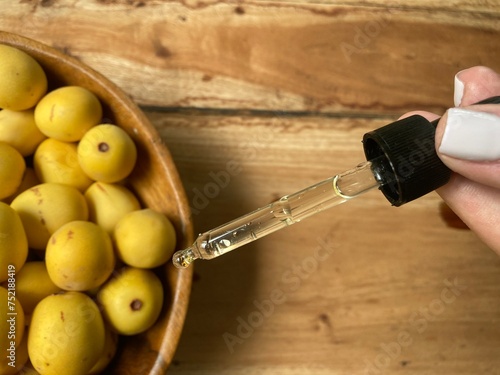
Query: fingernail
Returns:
{"type": "Point", "coordinates": [459, 91]}
{"type": "Point", "coordinates": [471, 135]}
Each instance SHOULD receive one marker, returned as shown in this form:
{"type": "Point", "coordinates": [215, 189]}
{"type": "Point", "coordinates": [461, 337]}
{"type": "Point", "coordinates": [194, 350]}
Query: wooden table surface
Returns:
{"type": "Point", "coordinates": [257, 99]}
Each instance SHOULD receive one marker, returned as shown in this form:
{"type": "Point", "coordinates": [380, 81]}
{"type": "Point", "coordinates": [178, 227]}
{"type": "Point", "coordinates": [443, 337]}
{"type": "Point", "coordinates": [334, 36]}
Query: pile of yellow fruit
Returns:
{"type": "Point", "coordinates": [76, 248]}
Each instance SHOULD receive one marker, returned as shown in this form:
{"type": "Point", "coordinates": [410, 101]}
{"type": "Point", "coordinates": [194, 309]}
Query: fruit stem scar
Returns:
{"type": "Point", "coordinates": [136, 304]}
{"type": "Point", "coordinates": [103, 147]}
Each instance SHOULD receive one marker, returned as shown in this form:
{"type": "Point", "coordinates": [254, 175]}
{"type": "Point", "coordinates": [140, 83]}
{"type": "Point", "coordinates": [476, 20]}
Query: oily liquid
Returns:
{"type": "Point", "coordinates": [286, 211]}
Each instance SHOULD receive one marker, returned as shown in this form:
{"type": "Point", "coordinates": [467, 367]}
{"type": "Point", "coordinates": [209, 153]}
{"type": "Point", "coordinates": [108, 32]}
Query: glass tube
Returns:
{"type": "Point", "coordinates": [288, 210]}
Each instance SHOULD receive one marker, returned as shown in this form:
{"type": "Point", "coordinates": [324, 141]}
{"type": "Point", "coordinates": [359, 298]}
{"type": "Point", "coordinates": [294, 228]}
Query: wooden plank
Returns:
{"type": "Point", "coordinates": [270, 55]}
{"type": "Point", "coordinates": [453, 5]}
{"type": "Point", "coordinates": [364, 288]}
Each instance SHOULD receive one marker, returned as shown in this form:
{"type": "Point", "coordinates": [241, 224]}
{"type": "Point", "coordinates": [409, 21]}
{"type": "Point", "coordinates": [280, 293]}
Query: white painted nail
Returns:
{"type": "Point", "coordinates": [471, 135]}
{"type": "Point", "coordinates": [459, 91]}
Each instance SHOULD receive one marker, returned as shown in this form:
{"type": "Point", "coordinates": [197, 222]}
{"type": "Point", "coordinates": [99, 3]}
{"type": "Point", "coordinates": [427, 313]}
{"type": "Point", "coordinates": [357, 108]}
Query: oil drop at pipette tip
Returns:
{"type": "Point", "coordinates": [183, 258]}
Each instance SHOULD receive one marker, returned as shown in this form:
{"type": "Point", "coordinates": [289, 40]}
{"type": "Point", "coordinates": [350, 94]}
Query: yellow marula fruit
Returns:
{"type": "Point", "coordinates": [67, 113]}
{"type": "Point", "coordinates": [144, 238]}
{"type": "Point", "coordinates": [18, 129]}
{"type": "Point", "coordinates": [22, 80]}
{"type": "Point", "coordinates": [110, 346]}
{"type": "Point", "coordinates": [12, 167]}
{"type": "Point", "coordinates": [66, 335]}
{"type": "Point", "coordinates": [108, 203]}
{"type": "Point", "coordinates": [132, 300]}
{"type": "Point", "coordinates": [107, 153]}
{"type": "Point", "coordinates": [57, 162]}
{"type": "Point", "coordinates": [79, 256]}
{"type": "Point", "coordinates": [13, 242]}
{"type": "Point", "coordinates": [45, 208]}
{"type": "Point", "coordinates": [11, 326]}
{"type": "Point", "coordinates": [34, 284]}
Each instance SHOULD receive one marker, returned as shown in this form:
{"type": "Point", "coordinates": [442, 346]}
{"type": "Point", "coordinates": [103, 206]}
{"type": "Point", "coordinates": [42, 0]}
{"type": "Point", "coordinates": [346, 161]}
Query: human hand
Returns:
{"type": "Point", "coordinates": [468, 142]}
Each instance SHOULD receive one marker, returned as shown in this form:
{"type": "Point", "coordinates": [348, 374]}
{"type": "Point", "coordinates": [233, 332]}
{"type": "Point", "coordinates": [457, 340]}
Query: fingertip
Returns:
{"type": "Point", "coordinates": [475, 84]}
{"type": "Point", "coordinates": [470, 135]}
{"type": "Point", "coordinates": [465, 142]}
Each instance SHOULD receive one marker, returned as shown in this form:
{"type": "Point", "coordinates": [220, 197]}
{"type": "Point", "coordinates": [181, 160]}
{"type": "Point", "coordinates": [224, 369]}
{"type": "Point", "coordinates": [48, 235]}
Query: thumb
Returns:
{"type": "Point", "coordinates": [468, 142]}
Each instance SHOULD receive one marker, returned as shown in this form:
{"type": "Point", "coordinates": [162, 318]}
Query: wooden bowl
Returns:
{"type": "Point", "coordinates": [156, 183]}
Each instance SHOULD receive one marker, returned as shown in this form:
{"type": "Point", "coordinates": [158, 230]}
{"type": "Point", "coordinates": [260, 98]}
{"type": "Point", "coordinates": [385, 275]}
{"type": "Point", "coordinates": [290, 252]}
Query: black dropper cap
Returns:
{"type": "Point", "coordinates": [411, 167]}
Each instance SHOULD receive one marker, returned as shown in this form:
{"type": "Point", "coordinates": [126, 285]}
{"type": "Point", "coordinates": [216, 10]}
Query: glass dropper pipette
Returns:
{"type": "Point", "coordinates": [288, 210]}
{"type": "Point", "coordinates": [402, 163]}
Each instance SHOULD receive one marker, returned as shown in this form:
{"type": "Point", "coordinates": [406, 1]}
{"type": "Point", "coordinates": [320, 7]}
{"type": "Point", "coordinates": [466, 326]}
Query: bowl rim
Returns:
{"type": "Point", "coordinates": [179, 280]}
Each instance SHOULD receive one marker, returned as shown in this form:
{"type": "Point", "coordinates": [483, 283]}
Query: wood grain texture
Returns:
{"type": "Point", "coordinates": [291, 56]}
{"type": "Point", "coordinates": [257, 99]}
{"type": "Point", "coordinates": [364, 288]}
